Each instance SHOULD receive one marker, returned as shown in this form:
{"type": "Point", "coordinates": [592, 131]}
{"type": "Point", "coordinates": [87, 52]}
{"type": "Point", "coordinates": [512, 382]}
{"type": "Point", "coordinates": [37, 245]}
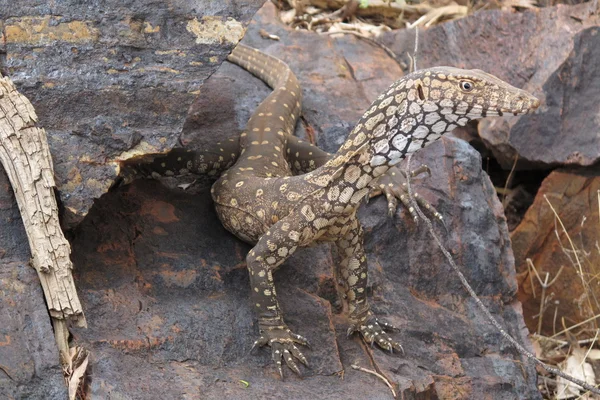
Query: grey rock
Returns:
{"type": "Point", "coordinates": [29, 363]}
{"type": "Point", "coordinates": [551, 52]}
{"type": "Point", "coordinates": [112, 78]}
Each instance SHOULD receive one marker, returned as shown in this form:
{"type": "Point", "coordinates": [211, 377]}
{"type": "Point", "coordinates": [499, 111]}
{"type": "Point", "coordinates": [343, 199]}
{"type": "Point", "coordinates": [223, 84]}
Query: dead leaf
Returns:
{"type": "Point", "coordinates": [575, 366]}
{"type": "Point", "coordinates": [593, 355]}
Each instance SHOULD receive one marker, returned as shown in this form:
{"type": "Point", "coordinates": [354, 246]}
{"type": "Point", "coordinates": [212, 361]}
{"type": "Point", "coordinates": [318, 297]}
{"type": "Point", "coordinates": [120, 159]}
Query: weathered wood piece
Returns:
{"type": "Point", "coordinates": [25, 155]}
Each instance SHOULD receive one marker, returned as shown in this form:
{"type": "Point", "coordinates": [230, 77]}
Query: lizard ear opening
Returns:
{"type": "Point", "coordinates": [420, 92]}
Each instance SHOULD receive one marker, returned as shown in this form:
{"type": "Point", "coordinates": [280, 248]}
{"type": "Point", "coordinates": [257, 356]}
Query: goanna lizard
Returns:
{"type": "Point", "coordinates": [280, 194]}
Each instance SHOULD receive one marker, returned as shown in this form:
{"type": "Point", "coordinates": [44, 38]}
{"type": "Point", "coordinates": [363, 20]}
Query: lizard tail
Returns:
{"type": "Point", "coordinates": [269, 69]}
{"type": "Point", "coordinates": [283, 106]}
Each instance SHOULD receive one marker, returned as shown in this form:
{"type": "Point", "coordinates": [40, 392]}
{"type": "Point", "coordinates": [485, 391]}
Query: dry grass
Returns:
{"type": "Point", "coordinates": [574, 349]}
{"type": "Point", "coordinates": [372, 17]}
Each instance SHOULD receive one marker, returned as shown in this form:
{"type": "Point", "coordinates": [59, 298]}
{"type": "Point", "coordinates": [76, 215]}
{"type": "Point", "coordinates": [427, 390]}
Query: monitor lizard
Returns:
{"type": "Point", "coordinates": [279, 193]}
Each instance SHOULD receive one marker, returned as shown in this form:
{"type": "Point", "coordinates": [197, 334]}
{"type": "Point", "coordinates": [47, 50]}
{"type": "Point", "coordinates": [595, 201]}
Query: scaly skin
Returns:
{"type": "Point", "coordinates": [260, 200]}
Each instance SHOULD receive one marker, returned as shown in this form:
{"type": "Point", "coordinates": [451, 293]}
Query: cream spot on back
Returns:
{"type": "Point", "coordinates": [352, 174]}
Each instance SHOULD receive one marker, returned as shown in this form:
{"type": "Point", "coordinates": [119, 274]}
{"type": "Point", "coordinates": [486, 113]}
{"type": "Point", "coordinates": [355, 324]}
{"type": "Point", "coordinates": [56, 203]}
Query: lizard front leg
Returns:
{"type": "Point", "coordinates": [353, 272]}
{"type": "Point", "coordinates": [393, 185]}
{"type": "Point", "coordinates": [271, 250]}
{"type": "Point", "coordinates": [305, 157]}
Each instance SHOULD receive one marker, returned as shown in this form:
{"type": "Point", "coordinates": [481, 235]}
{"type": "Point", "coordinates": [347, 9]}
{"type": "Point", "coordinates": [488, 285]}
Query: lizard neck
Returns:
{"type": "Point", "coordinates": [399, 122]}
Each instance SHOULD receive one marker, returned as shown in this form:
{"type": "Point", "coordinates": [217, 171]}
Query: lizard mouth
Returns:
{"type": "Point", "coordinates": [528, 105]}
{"type": "Point", "coordinates": [525, 106]}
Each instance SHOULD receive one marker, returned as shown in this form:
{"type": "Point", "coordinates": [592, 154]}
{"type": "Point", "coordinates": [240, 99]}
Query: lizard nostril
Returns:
{"type": "Point", "coordinates": [420, 92]}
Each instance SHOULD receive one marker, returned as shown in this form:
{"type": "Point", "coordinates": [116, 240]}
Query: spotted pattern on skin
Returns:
{"type": "Point", "coordinates": [280, 193]}
{"type": "Point", "coordinates": [410, 116]}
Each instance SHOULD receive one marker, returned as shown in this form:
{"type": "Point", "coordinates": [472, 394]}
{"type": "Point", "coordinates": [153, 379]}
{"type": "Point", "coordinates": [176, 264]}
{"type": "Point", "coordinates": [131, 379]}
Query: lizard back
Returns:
{"type": "Point", "coordinates": [253, 194]}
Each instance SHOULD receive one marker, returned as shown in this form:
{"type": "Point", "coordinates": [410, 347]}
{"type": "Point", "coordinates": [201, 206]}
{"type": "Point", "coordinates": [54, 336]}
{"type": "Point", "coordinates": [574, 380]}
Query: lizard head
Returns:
{"type": "Point", "coordinates": [419, 108]}
{"type": "Point", "coordinates": [470, 94]}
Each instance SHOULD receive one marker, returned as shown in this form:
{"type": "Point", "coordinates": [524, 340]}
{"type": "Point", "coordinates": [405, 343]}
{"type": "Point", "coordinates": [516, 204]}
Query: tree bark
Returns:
{"type": "Point", "coordinates": [25, 155]}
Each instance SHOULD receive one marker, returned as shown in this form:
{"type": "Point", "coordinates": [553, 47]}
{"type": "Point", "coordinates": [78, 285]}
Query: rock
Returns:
{"type": "Point", "coordinates": [29, 363]}
{"type": "Point", "coordinates": [166, 295]}
{"type": "Point", "coordinates": [574, 196]}
{"type": "Point", "coordinates": [166, 290]}
{"type": "Point", "coordinates": [110, 80]}
{"type": "Point", "coordinates": [547, 51]}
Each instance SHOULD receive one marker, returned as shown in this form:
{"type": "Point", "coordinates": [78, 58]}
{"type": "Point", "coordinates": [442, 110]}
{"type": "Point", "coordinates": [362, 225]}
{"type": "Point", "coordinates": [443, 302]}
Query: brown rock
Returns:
{"type": "Point", "coordinates": [551, 52]}
{"type": "Point", "coordinates": [540, 237]}
{"type": "Point", "coordinates": [166, 290]}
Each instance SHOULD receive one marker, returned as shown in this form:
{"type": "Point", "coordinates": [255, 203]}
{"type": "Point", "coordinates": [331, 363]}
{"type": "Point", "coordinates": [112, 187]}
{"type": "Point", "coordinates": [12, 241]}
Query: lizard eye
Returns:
{"type": "Point", "coordinates": [466, 86]}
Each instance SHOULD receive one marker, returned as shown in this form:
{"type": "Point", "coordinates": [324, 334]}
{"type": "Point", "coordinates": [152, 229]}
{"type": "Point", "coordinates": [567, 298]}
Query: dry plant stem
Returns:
{"type": "Point", "coordinates": [25, 155]}
{"type": "Point", "coordinates": [481, 306]}
{"type": "Point", "coordinates": [383, 378]}
{"type": "Point", "coordinates": [576, 325]}
{"type": "Point", "coordinates": [560, 343]}
{"type": "Point", "coordinates": [530, 275]}
{"type": "Point", "coordinates": [509, 180]}
{"type": "Point", "coordinates": [554, 320]}
{"type": "Point", "coordinates": [414, 58]}
{"type": "Point", "coordinates": [376, 8]}
{"type": "Point", "coordinates": [591, 346]}
{"type": "Point", "coordinates": [545, 285]}
{"type": "Point", "coordinates": [368, 39]}
{"type": "Point", "coordinates": [598, 206]}
{"type": "Point", "coordinates": [578, 264]}
{"type": "Point", "coordinates": [568, 237]}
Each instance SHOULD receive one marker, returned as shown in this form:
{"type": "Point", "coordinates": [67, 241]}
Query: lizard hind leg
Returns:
{"type": "Point", "coordinates": [271, 250]}
{"type": "Point", "coordinates": [353, 272]}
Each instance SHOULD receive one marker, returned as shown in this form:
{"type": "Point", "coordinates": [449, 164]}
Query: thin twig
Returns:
{"type": "Point", "coordinates": [383, 378]}
{"type": "Point", "coordinates": [545, 285]}
{"type": "Point", "coordinates": [368, 39]}
{"type": "Point", "coordinates": [529, 269]}
{"type": "Point", "coordinates": [577, 265]}
{"type": "Point", "coordinates": [566, 234]}
{"type": "Point", "coordinates": [509, 179]}
{"type": "Point", "coordinates": [590, 348]}
{"type": "Point", "coordinates": [598, 205]}
{"type": "Point", "coordinates": [482, 307]}
{"type": "Point", "coordinates": [5, 370]}
{"type": "Point", "coordinates": [414, 57]}
{"type": "Point", "coordinates": [576, 325]}
{"type": "Point", "coordinates": [558, 342]}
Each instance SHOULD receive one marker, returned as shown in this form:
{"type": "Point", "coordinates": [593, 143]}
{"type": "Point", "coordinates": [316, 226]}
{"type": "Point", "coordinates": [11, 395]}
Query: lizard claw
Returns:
{"type": "Point", "coordinates": [373, 332]}
{"type": "Point", "coordinates": [393, 185]}
{"type": "Point", "coordinates": [261, 341]}
{"type": "Point", "coordinates": [283, 348]}
{"type": "Point", "coordinates": [299, 339]}
{"type": "Point", "coordinates": [386, 326]}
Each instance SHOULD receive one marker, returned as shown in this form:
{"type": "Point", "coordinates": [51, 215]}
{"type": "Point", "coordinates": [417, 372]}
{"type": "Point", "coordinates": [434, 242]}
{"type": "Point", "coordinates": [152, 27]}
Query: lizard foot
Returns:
{"type": "Point", "coordinates": [283, 346]}
{"type": "Point", "coordinates": [374, 331]}
{"type": "Point", "coordinates": [393, 185]}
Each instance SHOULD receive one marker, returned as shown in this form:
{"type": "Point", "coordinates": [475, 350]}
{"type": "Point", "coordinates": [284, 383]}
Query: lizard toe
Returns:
{"type": "Point", "coordinates": [276, 355]}
{"type": "Point", "coordinates": [289, 360]}
{"type": "Point", "coordinates": [374, 332]}
{"type": "Point", "coordinates": [283, 348]}
{"type": "Point", "coordinates": [386, 326]}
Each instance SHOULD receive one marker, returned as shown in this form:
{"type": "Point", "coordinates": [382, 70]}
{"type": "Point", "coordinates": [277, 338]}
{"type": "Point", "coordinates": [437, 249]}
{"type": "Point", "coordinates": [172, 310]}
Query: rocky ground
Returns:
{"type": "Point", "coordinates": [164, 286]}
